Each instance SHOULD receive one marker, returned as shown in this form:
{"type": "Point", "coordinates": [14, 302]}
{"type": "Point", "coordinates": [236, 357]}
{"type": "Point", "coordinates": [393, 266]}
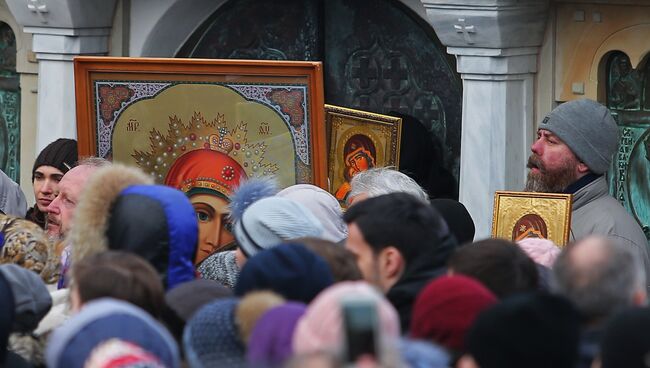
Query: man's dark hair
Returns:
{"type": "Point", "coordinates": [340, 260]}
{"type": "Point", "coordinates": [119, 275]}
{"type": "Point", "coordinates": [402, 221]}
{"type": "Point", "coordinates": [499, 264]}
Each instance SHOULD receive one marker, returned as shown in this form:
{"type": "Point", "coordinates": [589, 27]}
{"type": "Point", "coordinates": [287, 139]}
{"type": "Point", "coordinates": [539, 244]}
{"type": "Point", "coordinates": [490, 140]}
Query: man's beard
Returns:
{"type": "Point", "coordinates": [545, 181]}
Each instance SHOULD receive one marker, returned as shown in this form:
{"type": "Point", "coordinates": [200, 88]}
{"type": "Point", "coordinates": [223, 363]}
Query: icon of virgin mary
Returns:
{"type": "Point", "coordinates": [206, 161]}
{"type": "Point", "coordinates": [358, 155]}
{"type": "Point", "coordinates": [530, 225]}
{"type": "Point", "coordinates": [208, 177]}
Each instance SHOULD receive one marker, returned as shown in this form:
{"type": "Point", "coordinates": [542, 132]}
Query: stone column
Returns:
{"type": "Point", "coordinates": [496, 43]}
{"type": "Point", "coordinates": [61, 30]}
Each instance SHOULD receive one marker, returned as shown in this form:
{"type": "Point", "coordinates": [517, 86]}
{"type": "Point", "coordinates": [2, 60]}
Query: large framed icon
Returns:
{"type": "Point", "coordinates": [262, 117]}
{"type": "Point", "coordinates": [359, 140]}
{"type": "Point", "coordinates": [519, 215]}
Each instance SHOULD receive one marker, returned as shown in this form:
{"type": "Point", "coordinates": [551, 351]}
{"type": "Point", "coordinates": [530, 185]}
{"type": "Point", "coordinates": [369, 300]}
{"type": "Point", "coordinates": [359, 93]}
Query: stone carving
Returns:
{"type": "Point", "coordinates": [39, 7]}
{"type": "Point", "coordinates": [465, 30]}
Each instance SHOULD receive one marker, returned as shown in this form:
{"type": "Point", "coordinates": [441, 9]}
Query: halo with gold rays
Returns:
{"type": "Point", "coordinates": [202, 134]}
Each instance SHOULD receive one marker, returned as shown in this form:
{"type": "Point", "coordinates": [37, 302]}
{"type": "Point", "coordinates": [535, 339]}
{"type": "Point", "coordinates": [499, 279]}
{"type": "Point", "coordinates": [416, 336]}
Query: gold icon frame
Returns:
{"type": "Point", "coordinates": [511, 207]}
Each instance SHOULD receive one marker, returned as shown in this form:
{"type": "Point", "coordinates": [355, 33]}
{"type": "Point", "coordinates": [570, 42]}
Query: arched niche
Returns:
{"type": "Point", "coordinates": [632, 41]}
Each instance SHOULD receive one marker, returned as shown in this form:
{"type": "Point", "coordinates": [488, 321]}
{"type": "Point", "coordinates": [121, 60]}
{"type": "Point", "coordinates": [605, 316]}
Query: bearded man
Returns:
{"type": "Point", "coordinates": [574, 148]}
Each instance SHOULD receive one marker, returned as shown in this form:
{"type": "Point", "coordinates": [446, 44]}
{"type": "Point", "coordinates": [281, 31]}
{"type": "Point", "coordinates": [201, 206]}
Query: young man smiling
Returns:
{"type": "Point", "coordinates": [50, 166]}
{"type": "Point", "coordinates": [574, 148]}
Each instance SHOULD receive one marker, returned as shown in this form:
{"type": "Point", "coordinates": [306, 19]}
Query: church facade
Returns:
{"type": "Point", "coordinates": [478, 74]}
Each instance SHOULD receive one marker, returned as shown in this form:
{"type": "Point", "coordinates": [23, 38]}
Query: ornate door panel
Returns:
{"type": "Point", "coordinates": [9, 105]}
{"type": "Point", "coordinates": [378, 56]}
{"type": "Point", "coordinates": [379, 59]}
{"type": "Point", "coordinates": [253, 29]}
{"type": "Point", "coordinates": [628, 96]}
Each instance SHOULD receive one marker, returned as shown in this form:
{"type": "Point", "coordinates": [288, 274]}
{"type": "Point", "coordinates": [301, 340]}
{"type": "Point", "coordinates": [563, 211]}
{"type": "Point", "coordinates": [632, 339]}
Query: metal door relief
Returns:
{"type": "Point", "coordinates": [251, 29]}
{"type": "Point", "coordinates": [628, 97]}
{"type": "Point", "coordinates": [379, 59]}
{"type": "Point", "coordinates": [9, 105]}
{"type": "Point", "coordinates": [377, 55]}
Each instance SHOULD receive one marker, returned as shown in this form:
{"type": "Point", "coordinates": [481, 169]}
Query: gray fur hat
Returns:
{"type": "Point", "coordinates": [589, 130]}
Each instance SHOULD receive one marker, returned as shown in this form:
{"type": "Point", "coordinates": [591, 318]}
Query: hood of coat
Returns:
{"type": "Point", "coordinates": [87, 234]}
{"type": "Point", "coordinates": [121, 209]}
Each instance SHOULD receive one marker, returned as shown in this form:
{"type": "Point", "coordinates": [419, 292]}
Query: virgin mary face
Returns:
{"type": "Point", "coordinates": [359, 162]}
{"type": "Point", "coordinates": [211, 213]}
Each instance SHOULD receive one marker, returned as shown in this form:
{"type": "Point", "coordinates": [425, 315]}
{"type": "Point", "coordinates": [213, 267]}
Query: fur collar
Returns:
{"type": "Point", "coordinates": [90, 222]}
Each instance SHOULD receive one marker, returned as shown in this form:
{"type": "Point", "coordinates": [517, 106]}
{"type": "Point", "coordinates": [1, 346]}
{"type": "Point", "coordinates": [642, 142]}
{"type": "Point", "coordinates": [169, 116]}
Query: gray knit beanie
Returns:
{"type": "Point", "coordinates": [589, 130]}
{"type": "Point", "coordinates": [271, 221]}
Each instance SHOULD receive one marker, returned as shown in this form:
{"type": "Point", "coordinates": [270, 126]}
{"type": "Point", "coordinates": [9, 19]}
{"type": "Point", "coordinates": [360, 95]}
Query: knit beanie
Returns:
{"type": "Point", "coordinates": [25, 244]}
{"type": "Point", "coordinates": [104, 319]}
{"type": "Point", "coordinates": [626, 340]}
{"type": "Point", "coordinates": [291, 270]}
{"type": "Point", "coordinates": [220, 267]}
{"type": "Point", "coordinates": [323, 205]}
{"type": "Point", "coordinates": [32, 300]}
{"type": "Point", "coordinates": [527, 330]}
{"type": "Point", "coordinates": [61, 154]}
{"type": "Point", "coordinates": [447, 307]}
{"type": "Point", "coordinates": [589, 130]}
{"type": "Point", "coordinates": [321, 329]}
{"type": "Point", "coordinates": [270, 343]}
{"type": "Point", "coordinates": [272, 220]}
{"type": "Point", "coordinates": [211, 339]}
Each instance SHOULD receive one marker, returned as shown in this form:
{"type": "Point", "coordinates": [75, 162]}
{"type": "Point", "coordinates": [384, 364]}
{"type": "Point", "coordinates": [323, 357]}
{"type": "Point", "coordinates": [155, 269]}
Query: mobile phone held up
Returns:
{"type": "Point", "coordinates": [360, 325]}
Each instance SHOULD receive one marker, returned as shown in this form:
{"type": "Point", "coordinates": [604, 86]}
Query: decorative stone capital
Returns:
{"type": "Point", "coordinates": [64, 29]}
{"type": "Point", "coordinates": [474, 62]}
{"type": "Point", "coordinates": [65, 43]}
{"type": "Point", "coordinates": [63, 13]}
{"type": "Point", "coordinates": [491, 24]}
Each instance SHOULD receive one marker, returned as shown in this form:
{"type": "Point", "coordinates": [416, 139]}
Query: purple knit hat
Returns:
{"type": "Point", "coordinates": [270, 343]}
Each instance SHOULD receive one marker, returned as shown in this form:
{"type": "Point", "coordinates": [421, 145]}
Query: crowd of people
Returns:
{"type": "Point", "coordinates": [107, 270]}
